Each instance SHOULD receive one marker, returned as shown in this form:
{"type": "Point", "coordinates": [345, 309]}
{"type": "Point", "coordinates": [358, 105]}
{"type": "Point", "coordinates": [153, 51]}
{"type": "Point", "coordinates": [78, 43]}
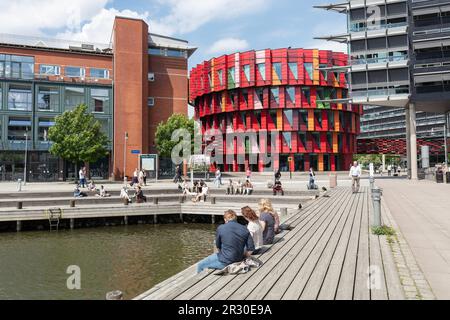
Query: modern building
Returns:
{"type": "Point", "coordinates": [282, 95]}
{"type": "Point", "coordinates": [130, 85]}
{"type": "Point", "coordinates": [398, 57]}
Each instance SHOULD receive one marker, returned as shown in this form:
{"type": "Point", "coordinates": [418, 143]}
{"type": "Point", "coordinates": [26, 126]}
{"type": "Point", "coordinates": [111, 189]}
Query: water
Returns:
{"type": "Point", "coordinates": [132, 259]}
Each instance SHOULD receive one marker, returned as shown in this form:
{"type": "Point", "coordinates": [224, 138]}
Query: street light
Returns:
{"type": "Point", "coordinates": [26, 156]}
{"type": "Point", "coordinates": [125, 158]}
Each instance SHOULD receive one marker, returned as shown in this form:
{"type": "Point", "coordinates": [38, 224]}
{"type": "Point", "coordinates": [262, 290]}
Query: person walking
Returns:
{"type": "Point", "coordinates": [233, 242]}
{"type": "Point", "coordinates": [355, 175]}
{"type": "Point", "coordinates": [218, 178]}
{"type": "Point", "coordinates": [82, 175]}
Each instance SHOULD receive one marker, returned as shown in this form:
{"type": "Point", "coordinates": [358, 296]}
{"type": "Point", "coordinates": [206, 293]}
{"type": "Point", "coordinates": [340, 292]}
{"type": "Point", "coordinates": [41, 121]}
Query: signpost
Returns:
{"type": "Point", "coordinates": [290, 161]}
{"type": "Point", "coordinates": [150, 164]}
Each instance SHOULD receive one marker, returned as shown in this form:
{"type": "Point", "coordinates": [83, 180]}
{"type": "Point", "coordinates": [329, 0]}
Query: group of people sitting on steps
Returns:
{"type": "Point", "coordinates": [240, 188]}
{"type": "Point", "coordinates": [199, 191]}
{"type": "Point", "coordinates": [235, 241]}
{"type": "Point", "coordinates": [92, 188]}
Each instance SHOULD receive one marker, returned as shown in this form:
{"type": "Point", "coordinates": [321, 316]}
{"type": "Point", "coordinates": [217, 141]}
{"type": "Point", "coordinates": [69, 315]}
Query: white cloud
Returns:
{"type": "Point", "coordinates": [188, 15]}
{"type": "Point", "coordinates": [228, 45]}
{"type": "Point", "coordinates": [30, 17]}
{"type": "Point", "coordinates": [99, 29]}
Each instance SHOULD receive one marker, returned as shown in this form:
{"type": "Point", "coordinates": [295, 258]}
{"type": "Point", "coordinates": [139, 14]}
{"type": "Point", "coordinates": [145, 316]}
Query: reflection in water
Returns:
{"type": "Point", "coordinates": [131, 259]}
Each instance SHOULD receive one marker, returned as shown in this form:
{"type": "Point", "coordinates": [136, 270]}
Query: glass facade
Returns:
{"type": "Point", "coordinates": [99, 73]}
{"type": "Point", "coordinates": [74, 96]}
{"type": "Point", "coordinates": [74, 72]}
{"type": "Point", "coordinates": [16, 67]}
{"type": "Point", "coordinates": [100, 100]}
{"type": "Point", "coordinates": [48, 98]}
{"type": "Point", "coordinates": [20, 97]}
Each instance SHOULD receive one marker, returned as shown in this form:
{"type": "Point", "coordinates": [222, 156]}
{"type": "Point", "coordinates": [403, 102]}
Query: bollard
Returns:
{"type": "Point", "coordinates": [114, 295]}
{"type": "Point", "coordinates": [19, 205]}
{"type": "Point", "coordinates": [376, 197]}
{"type": "Point", "coordinates": [372, 182]}
{"type": "Point", "coordinates": [155, 200]}
{"type": "Point", "coordinates": [213, 200]}
{"type": "Point", "coordinates": [19, 185]}
{"type": "Point", "coordinates": [72, 203]}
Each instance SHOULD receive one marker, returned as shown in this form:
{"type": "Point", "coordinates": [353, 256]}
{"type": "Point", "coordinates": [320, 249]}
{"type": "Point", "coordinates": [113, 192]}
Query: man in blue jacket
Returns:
{"type": "Point", "coordinates": [233, 242]}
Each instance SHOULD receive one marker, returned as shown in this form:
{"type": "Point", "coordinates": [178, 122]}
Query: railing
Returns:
{"type": "Point", "coordinates": [378, 27]}
{"type": "Point", "coordinates": [381, 92]}
{"type": "Point", "coordinates": [379, 60]}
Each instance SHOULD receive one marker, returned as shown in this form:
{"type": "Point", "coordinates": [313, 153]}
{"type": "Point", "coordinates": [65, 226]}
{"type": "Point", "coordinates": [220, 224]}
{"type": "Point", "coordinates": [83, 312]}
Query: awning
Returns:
{"type": "Point", "coordinates": [427, 44]}
{"type": "Point", "coordinates": [46, 124]}
{"type": "Point", "coordinates": [424, 11]}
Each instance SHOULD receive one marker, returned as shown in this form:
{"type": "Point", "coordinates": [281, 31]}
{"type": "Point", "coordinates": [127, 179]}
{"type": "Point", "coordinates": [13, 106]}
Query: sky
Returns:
{"type": "Point", "coordinates": [216, 27]}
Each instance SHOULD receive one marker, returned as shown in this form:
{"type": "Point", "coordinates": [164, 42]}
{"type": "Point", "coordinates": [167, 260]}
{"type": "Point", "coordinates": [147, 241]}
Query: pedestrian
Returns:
{"type": "Point", "coordinates": [277, 175]}
{"type": "Point", "coordinates": [233, 242]}
{"type": "Point", "coordinates": [249, 174]}
{"type": "Point", "coordinates": [312, 179]}
{"type": "Point", "coordinates": [355, 175]}
{"type": "Point", "coordinates": [141, 177]}
{"type": "Point", "coordinates": [82, 175]}
{"type": "Point", "coordinates": [218, 178]}
{"type": "Point", "coordinates": [144, 174]}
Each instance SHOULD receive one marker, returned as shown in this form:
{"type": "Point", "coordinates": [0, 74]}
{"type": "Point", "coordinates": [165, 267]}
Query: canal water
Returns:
{"type": "Point", "coordinates": [33, 265]}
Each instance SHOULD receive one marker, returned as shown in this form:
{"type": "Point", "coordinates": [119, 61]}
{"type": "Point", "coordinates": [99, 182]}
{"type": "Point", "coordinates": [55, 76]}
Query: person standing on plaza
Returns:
{"type": "Point", "coordinates": [144, 174]}
{"type": "Point", "coordinates": [82, 175]}
{"type": "Point", "coordinates": [355, 174]}
{"type": "Point", "coordinates": [312, 179]}
{"type": "Point", "coordinates": [141, 177]}
{"type": "Point", "coordinates": [249, 174]}
{"type": "Point", "coordinates": [218, 178]}
{"type": "Point", "coordinates": [233, 242]}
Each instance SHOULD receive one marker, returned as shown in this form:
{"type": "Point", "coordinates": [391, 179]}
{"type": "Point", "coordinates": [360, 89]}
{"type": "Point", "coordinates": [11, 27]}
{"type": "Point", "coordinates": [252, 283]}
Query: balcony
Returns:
{"type": "Point", "coordinates": [379, 27]}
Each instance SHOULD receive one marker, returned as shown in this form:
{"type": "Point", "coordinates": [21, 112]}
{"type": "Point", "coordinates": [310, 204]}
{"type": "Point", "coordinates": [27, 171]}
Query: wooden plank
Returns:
{"type": "Point", "coordinates": [362, 291]}
{"type": "Point", "coordinates": [293, 281]}
{"type": "Point", "coordinates": [277, 277]}
{"type": "Point", "coordinates": [276, 253]}
{"type": "Point", "coordinates": [320, 271]}
{"type": "Point", "coordinates": [347, 277]}
{"type": "Point", "coordinates": [378, 290]}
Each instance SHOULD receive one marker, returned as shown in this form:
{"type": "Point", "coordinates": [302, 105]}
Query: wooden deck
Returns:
{"type": "Point", "coordinates": [328, 255]}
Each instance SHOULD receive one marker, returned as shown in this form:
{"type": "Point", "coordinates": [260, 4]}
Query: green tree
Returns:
{"type": "Point", "coordinates": [164, 143]}
{"type": "Point", "coordinates": [77, 137]}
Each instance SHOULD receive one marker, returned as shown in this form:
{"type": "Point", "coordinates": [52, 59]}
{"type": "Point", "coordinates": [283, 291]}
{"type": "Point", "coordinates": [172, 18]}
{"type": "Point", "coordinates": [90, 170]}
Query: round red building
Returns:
{"type": "Point", "coordinates": [296, 96]}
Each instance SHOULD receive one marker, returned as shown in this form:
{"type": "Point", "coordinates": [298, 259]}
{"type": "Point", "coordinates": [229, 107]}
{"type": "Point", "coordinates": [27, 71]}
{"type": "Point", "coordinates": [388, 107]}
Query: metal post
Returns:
{"type": "Point", "coordinates": [445, 138]}
{"type": "Point", "coordinates": [125, 158]}
{"type": "Point", "coordinates": [372, 182]}
{"type": "Point", "coordinates": [376, 197]}
{"type": "Point", "coordinates": [26, 158]}
{"type": "Point", "coordinates": [19, 185]}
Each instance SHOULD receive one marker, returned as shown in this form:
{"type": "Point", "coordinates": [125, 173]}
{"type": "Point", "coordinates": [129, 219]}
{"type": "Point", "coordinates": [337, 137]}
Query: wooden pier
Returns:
{"type": "Point", "coordinates": [331, 254]}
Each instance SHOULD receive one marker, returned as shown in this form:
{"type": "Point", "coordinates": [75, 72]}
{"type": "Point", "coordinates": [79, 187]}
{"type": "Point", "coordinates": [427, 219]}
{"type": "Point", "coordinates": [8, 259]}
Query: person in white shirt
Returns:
{"type": "Point", "coordinates": [254, 227]}
{"type": "Point", "coordinates": [355, 174]}
{"type": "Point", "coordinates": [124, 194]}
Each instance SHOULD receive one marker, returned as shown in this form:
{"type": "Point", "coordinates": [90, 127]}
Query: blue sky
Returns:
{"type": "Point", "coordinates": [215, 26]}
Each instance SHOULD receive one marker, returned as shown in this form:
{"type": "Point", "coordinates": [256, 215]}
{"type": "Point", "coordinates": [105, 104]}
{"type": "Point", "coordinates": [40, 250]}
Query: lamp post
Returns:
{"type": "Point", "coordinates": [26, 158]}
{"type": "Point", "coordinates": [125, 158]}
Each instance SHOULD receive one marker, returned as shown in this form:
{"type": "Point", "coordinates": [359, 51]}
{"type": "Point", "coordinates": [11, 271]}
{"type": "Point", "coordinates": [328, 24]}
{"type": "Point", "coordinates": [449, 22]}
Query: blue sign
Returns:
{"type": "Point", "coordinates": [135, 151]}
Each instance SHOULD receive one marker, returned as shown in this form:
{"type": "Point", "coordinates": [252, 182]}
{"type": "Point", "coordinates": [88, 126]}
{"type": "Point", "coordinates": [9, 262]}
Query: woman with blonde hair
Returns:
{"type": "Point", "coordinates": [269, 219]}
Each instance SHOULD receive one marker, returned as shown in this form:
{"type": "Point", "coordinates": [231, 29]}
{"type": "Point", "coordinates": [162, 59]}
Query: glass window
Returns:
{"type": "Point", "coordinates": [100, 100]}
{"type": "Point", "coordinates": [309, 70]}
{"type": "Point", "coordinates": [324, 72]}
{"type": "Point", "coordinates": [293, 67]}
{"type": "Point", "coordinates": [231, 75]}
{"type": "Point", "coordinates": [176, 53]}
{"type": "Point", "coordinates": [2, 69]}
{"type": "Point", "coordinates": [291, 93]}
{"type": "Point", "coordinates": [275, 94]}
{"type": "Point", "coordinates": [45, 69]}
{"type": "Point", "coordinates": [245, 96]}
{"type": "Point", "coordinates": [99, 73]}
{"type": "Point", "coordinates": [220, 76]}
{"type": "Point", "coordinates": [48, 98]}
{"type": "Point", "coordinates": [318, 116]}
{"type": "Point", "coordinates": [302, 138]}
{"type": "Point", "coordinates": [246, 69]}
{"type": "Point", "coordinates": [1, 98]}
{"type": "Point", "coordinates": [150, 101]}
{"type": "Point", "coordinates": [151, 77]}
{"type": "Point", "coordinates": [232, 96]}
{"type": "Point", "coordinates": [316, 138]}
{"type": "Point", "coordinates": [260, 94]}
{"type": "Point", "coordinates": [277, 68]}
{"type": "Point", "coordinates": [18, 67]}
{"type": "Point", "coordinates": [287, 139]}
{"type": "Point", "coordinates": [273, 116]}
{"type": "Point", "coordinates": [306, 93]}
{"type": "Point", "coordinates": [44, 125]}
{"type": "Point", "coordinates": [156, 51]}
{"type": "Point", "coordinates": [76, 72]}
{"type": "Point", "coordinates": [289, 114]}
{"type": "Point", "coordinates": [262, 70]}
{"type": "Point", "coordinates": [244, 119]}
{"type": "Point", "coordinates": [258, 117]}
{"type": "Point", "coordinates": [20, 98]}
{"type": "Point", "coordinates": [19, 129]}
{"type": "Point", "coordinates": [210, 80]}
{"type": "Point", "coordinates": [74, 96]}
{"type": "Point", "coordinates": [304, 117]}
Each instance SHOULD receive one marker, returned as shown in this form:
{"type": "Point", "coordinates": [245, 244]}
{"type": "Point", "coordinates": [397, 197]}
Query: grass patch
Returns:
{"type": "Point", "coordinates": [383, 231]}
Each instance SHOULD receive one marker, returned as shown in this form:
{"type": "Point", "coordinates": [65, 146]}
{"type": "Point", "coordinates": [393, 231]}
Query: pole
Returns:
{"type": "Point", "coordinates": [125, 158]}
{"type": "Point", "coordinates": [376, 197]}
{"type": "Point", "coordinates": [26, 159]}
{"type": "Point", "coordinates": [445, 138]}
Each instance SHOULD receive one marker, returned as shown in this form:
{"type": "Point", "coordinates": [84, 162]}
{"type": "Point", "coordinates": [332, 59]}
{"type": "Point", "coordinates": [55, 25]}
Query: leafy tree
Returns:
{"type": "Point", "coordinates": [77, 137]}
{"type": "Point", "coordinates": [164, 143]}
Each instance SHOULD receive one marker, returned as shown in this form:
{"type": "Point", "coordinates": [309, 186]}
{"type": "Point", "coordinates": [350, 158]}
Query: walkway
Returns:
{"type": "Point", "coordinates": [326, 256]}
{"type": "Point", "coordinates": [422, 212]}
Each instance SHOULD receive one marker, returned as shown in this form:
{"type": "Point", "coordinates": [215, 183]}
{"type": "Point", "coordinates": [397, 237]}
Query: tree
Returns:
{"type": "Point", "coordinates": [77, 137]}
{"type": "Point", "coordinates": [164, 142]}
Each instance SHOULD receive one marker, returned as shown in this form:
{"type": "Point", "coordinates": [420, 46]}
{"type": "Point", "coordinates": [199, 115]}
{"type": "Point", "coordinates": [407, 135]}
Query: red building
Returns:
{"type": "Point", "coordinates": [289, 97]}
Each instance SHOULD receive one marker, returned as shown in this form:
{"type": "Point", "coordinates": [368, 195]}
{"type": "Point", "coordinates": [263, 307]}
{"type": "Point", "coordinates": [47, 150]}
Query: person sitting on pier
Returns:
{"type": "Point", "coordinates": [140, 198]}
{"type": "Point", "coordinates": [239, 188]}
{"type": "Point", "coordinates": [248, 188]}
{"type": "Point", "coordinates": [77, 192]}
{"type": "Point", "coordinates": [203, 194]}
{"type": "Point", "coordinates": [103, 193]}
{"type": "Point", "coordinates": [254, 227]}
{"type": "Point", "coordinates": [92, 187]}
{"type": "Point", "coordinates": [185, 188]}
{"type": "Point", "coordinates": [230, 187]}
{"type": "Point", "coordinates": [124, 194]}
{"type": "Point", "coordinates": [278, 188]}
{"type": "Point", "coordinates": [233, 242]}
{"type": "Point", "coordinates": [268, 221]}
